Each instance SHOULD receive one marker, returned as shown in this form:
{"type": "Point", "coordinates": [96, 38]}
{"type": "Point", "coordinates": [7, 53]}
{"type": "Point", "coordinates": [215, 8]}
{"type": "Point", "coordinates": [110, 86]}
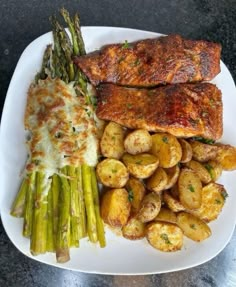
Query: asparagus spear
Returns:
{"type": "Point", "coordinates": [82, 216]}
{"type": "Point", "coordinates": [50, 231]}
{"type": "Point", "coordinates": [55, 196]}
{"type": "Point", "coordinates": [39, 231]}
{"type": "Point", "coordinates": [100, 227]}
{"type": "Point", "coordinates": [74, 208]}
{"type": "Point", "coordinates": [29, 202]}
{"type": "Point", "coordinates": [63, 227]}
{"type": "Point", "coordinates": [17, 209]}
{"type": "Point", "coordinates": [89, 205]}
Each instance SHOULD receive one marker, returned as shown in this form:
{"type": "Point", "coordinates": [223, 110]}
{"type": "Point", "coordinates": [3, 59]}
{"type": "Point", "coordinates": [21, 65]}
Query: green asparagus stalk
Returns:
{"type": "Point", "coordinates": [100, 227]}
{"type": "Point", "coordinates": [82, 215]}
{"type": "Point", "coordinates": [55, 197]}
{"type": "Point", "coordinates": [17, 209]}
{"type": "Point", "coordinates": [50, 231]}
{"type": "Point", "coordinates": [74, 208]}
{"type": "Point", "coordinates": [89, 205]}
{"type": "Point", "coordinates": [63, 227]}
{"type": "Point", "coordinates": [29, 205]}
{"type": "Point", "coordinates": [39, 229]}
{"type": "Point", "coordinates": [79, 35]}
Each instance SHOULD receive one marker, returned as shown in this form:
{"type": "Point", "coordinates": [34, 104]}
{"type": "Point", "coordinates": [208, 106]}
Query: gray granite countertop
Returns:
{"type": "Point", "coordinates": [22, 21]}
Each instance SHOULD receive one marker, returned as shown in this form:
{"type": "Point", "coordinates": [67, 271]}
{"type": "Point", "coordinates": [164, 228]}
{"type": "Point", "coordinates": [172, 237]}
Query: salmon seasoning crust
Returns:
{"type": "Point", "coordinates": [183, 110]}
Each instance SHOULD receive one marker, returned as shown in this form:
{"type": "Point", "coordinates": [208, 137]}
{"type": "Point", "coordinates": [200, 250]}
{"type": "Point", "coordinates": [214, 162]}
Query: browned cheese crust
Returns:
{"type": "Point", "coordinates": [150, 62]}
{"type": "Point", "coordinates": [184, 110]}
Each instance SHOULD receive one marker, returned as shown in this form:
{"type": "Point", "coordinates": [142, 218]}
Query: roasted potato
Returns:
{"type": "Point", "coordinates": [158, 181]}
{"type": "Point", "coordinates": [200, 170]}
{"type": "Point", "coordinates": [203, 152]}
{"type": "Point", "coordinates": [166, 215]}
{"type": "Point", "coordinates": [112, 141]}
{"type": "Point", "coordinates": [214, 168]}
{"type": "Point", "coordinates": [167, 148]}
{"type": "Point", "coordinates": [138, 141]}
{"type": "Point", "coordinates": [187, 152]}
{"type": "Point", "coordinates": [193, 227]}
{"type": "Point", "coordinates": [112, 173]}
{"type": "Point", "coordinates": [150, 207]}
{"type": "Point", "coordinates": [137, 190]}
{"type": "Point", "coordinates": [174, 191]}
{"type": "Point", "coordinates": [141, 165]}
{"type": "Point", "coordinates": [172, 174]}
{"type": "Point", "coordinates": [226, 156]}
{"type": "Point", "coordinates": [213, 200]}
{"type": "Point", "coordinates": [164, 236]}
{"type": "Point", "coordinates": [190, 189]}
{"type": "Point", "coordinates": [115, 207]}
{"type": "Point", "coordinates": [134, 229]}
{"type": "Point", "coordinates": [173, 203]}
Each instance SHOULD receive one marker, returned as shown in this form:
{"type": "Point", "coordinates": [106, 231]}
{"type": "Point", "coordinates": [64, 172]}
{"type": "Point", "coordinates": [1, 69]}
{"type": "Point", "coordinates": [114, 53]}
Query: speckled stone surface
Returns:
{"type": "Point", "coordinates": [22, 21]}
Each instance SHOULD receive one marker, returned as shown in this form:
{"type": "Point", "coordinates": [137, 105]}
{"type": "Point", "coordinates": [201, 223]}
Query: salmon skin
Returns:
{"type": "Point", "coordinates": [151, 62]}
{"type": "Point", "coordinates": [184, 110]}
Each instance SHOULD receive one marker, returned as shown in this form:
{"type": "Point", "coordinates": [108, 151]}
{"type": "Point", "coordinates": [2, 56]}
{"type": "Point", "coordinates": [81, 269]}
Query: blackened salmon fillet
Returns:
{"type": "Point", "coordinates": [151, 62]}
{"type": "Point", "coordinates": [184, 110]}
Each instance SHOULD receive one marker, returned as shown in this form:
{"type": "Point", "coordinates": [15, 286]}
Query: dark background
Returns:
{"type": "Point", "coordinates": [22, 21]}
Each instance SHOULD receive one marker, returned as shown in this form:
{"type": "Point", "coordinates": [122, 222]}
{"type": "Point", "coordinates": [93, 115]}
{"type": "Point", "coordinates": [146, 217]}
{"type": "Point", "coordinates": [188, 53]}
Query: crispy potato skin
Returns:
{"type": "Point", "coordinates": [141, 165]}
{"type": "Point", "coordinates": [200, 170]}
{"type": "Point", "coordinates": [213, 201]}
{"type": "Point", "coordinates": [138, 141]}
{"type": "Point", "coordinates": [193, 227]}
{"type": "Point", "coordinates": [167, 148]}
{"type": "Point", "coordinates": [190, 189]}
{"type": "Point", "coordinates": [203, 152]}
{"type": "Point", "coordinates": [112, 173]}
{"type": "Point", "coordinates": [150, 207]}
{"type": "Point", "coordinates": [134, 229]}
{"type": "Point", "coordinates": [184, 110]}
{"type": "Point", "coordinates": [112, 141]}
{"type": "Point", "coordinates": [164, 236]}
{"type": "Point", "coordinates": [166, 215]}
{"type": "Point", "coordinates": [158, 181]}
{"type": "Point", "coordinates": [150, 62]}
{"type": "Point", "coordinates": [138, 190]}
{"type": "Point", "coordinates": [226, 156]}
{"type": "Point", "coordinates": [187, 152]}
{"type": "Point", "coordinates": [173, 203]}
{"type": "Point", "coordinates": [115, 207]}
{"type": "Point", "coordinates": [172, 174]}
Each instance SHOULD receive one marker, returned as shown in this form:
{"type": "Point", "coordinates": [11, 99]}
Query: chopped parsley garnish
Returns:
{"type": "Point", "coordinates": [58, 135]}
{"type": "Point", "coordinates": [224, 194]}
{"type": "Point", "coordinates": [191, 188]}
{"type": "Point", "coordinates": [210, 169]}
{"type": "Point", "coordinates": [130, 195]}
{"type": "Point", "coordinates": [193, 226]}
{"type": "Point", "coordinates": [165, 237]}
{"type": "Point", "coordinates": [165, 139]}
{"type": "Point", "coordinates": [126, 45]}
{"type": "Point", "coordinates": [114, 170]}
{"type": "Point", "coordinates": [139, 161]}
{"type": "Point", "coordinates": [217, 201]}
{"type": "Point", "coordinates": [129, 106]}
{"type": "Point", "coordinates": [135, 63]}
{"type": "Point", "coordinates": [203, 140]}
{"type": "Point", "coordinates": [113, 138]}
{"type": "Point", "coordinates": [121, 59]}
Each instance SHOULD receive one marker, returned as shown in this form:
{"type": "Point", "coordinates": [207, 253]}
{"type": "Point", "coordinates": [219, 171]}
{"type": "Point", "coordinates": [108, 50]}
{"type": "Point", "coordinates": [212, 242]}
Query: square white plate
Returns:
{"type": "Point", "coordinates": [121, 256]}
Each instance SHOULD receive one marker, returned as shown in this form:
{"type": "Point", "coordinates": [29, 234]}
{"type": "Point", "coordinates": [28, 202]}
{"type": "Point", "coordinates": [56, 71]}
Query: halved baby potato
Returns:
{"type": "Point", "coordinates": [115, 207]}
{"type": "Point", "coordinates": [213, 200]}
{"type": "Point", "coordinates": [112, 141]}
{"type": "Point", "coordinates": [141, 165]}
{"type": "Point", "coordinates": [203, 152]}
{"type": "Point", "coordinates": [193, 227]}
{"type": "Point", "coordinates": [167, 148]}
{"type": "Point", "coordinates": [158, 180]}
{"type": "Point", "coordinates": [134, 229]}
{"type": "Point", "coordinates": [164, 236]}
{"type": "Point", "coordinates": [226, 156]}
{"type": "Point", "coordinates": [172, 174]}
{"type": "Point", "coordinates": [166, 215]}
{"type": "Point", "coordinates": [150, 207]}
{"type": "Point", "coordinates": [187, 152]}
{"type": "Point", "coordinates": [137, 190]}
{"type": "Point", "coordinates": [190, 189]}
{"type": "Point", "coordinates": [112, 173]}
{"type": "Point", "coordinates": [214, 168]}
{"type": "Point", "coordinates": [138, 141]}
{"type": "Point", "coordinates": [200, 170]}
{"type": "Point", "coordinates": [173, 203]}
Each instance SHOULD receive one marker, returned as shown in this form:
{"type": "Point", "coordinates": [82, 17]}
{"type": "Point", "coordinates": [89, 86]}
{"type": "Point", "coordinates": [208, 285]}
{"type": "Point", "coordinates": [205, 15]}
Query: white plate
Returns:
{"type": "Point", "coordinates": [121, 256]}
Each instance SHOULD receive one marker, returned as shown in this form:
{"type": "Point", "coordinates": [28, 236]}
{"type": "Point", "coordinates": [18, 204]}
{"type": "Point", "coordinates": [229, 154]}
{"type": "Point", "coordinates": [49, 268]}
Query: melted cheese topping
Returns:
{"type": "Point", "coordinates": [62, 127]}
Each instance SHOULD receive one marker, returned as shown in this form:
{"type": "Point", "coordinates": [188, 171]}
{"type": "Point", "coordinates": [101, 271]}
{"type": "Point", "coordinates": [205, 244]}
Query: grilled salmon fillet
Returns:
{"type": "Point", "coordinates": [184, 110]}
{"type": "Point", "coordinates": [168, 59]}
